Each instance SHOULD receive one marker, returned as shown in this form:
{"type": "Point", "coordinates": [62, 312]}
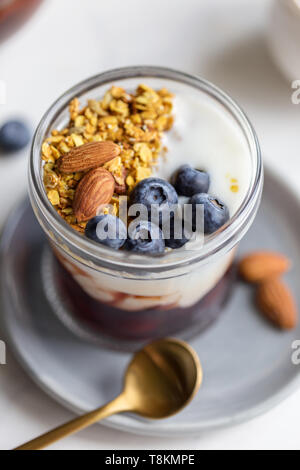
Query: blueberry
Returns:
{"type": "Point", "coordinates": [189, 181]}
{"type": "Point", "coordinates": [145, 237]}
{"type": "Point", "coordinates": [14, 136]}
{"type": "Point", "coordinates": [178, 234]}
{"type": "Point", "coordinates": [108, 230]}
{"type": "Point", "coordinates": [156, 192]}
{"type": "Point", "coordinates": [216, 212]}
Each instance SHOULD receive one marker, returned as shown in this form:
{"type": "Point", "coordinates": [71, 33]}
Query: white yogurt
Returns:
{"type": "Point", "coordinates": [205, 137]}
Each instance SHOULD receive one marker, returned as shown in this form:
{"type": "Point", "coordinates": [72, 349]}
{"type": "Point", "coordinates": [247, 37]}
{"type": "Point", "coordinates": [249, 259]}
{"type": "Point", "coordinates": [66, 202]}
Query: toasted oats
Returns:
{"type": "Point", "coordinates": [161, 123]}
{"type": "Point", "coordinates": [74, 108]}
{"type": "Point", "coordinates": [77, 139]}
{"type": "Point", "coordinates": [46, 151]}
{"type": "Point", "coordinates": [130, 182]}
{"type": "Point", "coordinates": [119, 107]}
{"type": "Point", "coordinates": [134, 121]}
{"type": "Point", "coordinates": [106, 100]}
{"type": "Point", "coordinates": [79, 121]}
{"type": "Point", "coordinates": [53, 197]}
{"type": "Point", "coordinates": [63, 148]}
{"type": "Point", "coordinates": [117, 92]}
{"type": "Point", "coordinates": [142, 173]}
{"type": "Point", "coordinates": [67, 211]}
{"type": "Point", "coordinates": [144, 152]}
{"type": "Point", "coordinates": [90, 129]}
{"type": "Point", "coordinates": [96, 107]}
{"type": "Point", "coordinates": [51, 179]}
{"type": "Point", "coordinates": [114, 166]}
{"type": "Point", "coordinates": [55, 139]}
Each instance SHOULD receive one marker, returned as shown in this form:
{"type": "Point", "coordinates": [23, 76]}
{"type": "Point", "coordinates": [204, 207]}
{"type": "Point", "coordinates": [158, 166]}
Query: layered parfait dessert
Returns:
{"type": "Point", "coordinates": [152, 183]}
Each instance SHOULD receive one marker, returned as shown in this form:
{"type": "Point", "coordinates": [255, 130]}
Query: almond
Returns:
{"type": "Point", "coordinates": [95, 188]}
{"type": "Point", "coordinates": [276, 302]}
{"type": "Point", "coordinates": [88, 156]}
{"type": "Point", "coordinates": [262, 265]}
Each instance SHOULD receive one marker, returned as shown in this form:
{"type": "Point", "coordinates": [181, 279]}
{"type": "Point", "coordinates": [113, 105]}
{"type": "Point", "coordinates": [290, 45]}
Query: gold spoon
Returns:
{"type": "Point", "coordinates": [160, 380]}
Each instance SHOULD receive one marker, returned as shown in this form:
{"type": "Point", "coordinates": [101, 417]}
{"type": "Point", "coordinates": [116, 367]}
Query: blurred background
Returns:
{"type": "Point", "coordinates": [224, 41]}
{"type": "Point", "coordinates": [47, 46]}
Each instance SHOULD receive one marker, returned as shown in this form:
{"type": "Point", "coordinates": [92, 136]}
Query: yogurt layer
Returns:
{"type": "Point", "coordinates": [204, 136]}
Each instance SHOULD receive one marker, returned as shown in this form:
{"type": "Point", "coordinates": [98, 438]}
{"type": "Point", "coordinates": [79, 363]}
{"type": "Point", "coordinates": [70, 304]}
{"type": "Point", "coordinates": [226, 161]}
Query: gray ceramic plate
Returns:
{"type": "Point", "coordinates": [247, 363]}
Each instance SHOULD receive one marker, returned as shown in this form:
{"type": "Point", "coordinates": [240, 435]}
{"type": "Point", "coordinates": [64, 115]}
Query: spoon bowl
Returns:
{"type": "Point", "coordinates": [160, 380]}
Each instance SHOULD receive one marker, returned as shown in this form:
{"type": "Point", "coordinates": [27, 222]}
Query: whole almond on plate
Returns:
{"type": "Point", "coordinates": [276, 302]}
{"type": "Point", "coordinates": [95, 188]}
{"type": "Point", "coordinates": [262, 265]}
{"type": "Point", "coordinates": [88, 156]}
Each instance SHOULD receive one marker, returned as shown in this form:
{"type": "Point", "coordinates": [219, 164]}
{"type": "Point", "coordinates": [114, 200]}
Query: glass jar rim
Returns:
{"type": "Point", "coordinates": [98, 254]}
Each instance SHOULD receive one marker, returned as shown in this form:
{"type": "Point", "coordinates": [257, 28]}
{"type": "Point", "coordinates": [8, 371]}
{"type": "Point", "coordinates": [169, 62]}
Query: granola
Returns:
{"type": "Point", "coordinates": [133, 121]}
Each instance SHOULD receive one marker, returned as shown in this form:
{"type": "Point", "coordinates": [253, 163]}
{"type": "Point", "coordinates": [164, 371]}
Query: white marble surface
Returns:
{"type": "Point", "coordinates": [68, 40]}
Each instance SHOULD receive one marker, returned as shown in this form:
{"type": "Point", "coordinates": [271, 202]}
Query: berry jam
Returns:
{"type": "Point", "coordinates": [143, 325]}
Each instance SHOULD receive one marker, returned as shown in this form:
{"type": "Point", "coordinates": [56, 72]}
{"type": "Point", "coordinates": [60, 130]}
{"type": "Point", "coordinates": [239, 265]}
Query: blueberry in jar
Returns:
{"type": "Point", "coordinates": [145, 237]}
{"type": "Point", "coordinates": [108, 230]}
{"type": "Point", "coordinates": [14, 136]}
{"type": "Point", "coordinates": [189, 181]}
{"type": "Point", "coordinates": [216, 213]}
{"type": "Point", "coordinates": [157, 193]}
{"type": "Point", "coordinates": [177, 234]}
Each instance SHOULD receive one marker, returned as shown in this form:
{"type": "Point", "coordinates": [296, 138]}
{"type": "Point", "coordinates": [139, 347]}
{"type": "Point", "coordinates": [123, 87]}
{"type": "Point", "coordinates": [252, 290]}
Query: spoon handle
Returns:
{"type": "Point", "coordinates": [118, 405]}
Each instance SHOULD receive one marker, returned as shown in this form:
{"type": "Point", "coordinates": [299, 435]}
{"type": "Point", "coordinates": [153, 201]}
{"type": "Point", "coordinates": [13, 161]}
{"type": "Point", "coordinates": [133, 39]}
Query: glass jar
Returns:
{"type": "Point", "coordinates": [124, 299]}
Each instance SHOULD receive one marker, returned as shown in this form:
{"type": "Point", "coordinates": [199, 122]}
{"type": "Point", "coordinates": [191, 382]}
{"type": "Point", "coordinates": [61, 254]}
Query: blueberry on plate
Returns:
{"type": "Point", "coordinates": [189, 181]}
{"type": "Point", "coordinates": [216, 212]}
{"type": "Point", "coordinates": [14, 136]}
{"type": "Point", "coordinates": [108, 230]}
{"type": "Point", "coordinates": [177, 234]}
{"type": "Point", "coordinates": [145, 237]}
{"type": "Point", "coordinates": [157, 193]}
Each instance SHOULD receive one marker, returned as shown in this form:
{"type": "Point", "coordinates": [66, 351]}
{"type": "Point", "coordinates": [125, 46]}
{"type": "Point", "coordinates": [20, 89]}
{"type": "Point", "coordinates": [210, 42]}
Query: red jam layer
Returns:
{"type": "Point", "coordinates": [142, 325]}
